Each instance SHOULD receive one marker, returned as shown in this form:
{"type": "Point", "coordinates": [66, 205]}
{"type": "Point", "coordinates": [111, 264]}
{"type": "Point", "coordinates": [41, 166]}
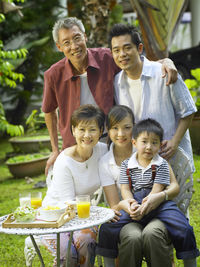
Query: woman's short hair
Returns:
{"type": "Point", "coordinates": [87, 113]}
{"type": "Point", "coordinates": [117, 114]}
{"type": "Point", "coordinates": [66, 23]}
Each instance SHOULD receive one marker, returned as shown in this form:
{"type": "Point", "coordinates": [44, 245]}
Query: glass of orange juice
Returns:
{"type": "Point", "coordinates": [83, 206]}
{"type": "Point", "coordinates": [36, 200]}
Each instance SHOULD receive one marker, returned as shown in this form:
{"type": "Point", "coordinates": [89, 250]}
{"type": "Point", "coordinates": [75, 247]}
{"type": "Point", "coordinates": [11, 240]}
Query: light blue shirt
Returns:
{"type": "Point", "coordinates": [166, 104]}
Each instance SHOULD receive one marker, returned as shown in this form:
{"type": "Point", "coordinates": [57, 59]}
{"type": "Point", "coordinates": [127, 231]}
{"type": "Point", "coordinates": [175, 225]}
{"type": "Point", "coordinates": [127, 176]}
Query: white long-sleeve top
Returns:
{"type": "Point", "coordinates": [71, 177]}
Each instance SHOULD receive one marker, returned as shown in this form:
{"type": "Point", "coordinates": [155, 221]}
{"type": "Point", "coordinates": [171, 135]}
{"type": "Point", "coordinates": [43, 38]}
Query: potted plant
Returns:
{"type": "Point", "coordinates": [27, 165]}
{"type": "Point", "coordinates": [194, 87]}
{"type": "Point", "coordinates": [33, 140]}
{"type": "Point", "coordinates": [36, 136]}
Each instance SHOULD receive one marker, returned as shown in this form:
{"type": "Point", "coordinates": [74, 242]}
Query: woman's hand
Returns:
{"type": "Point", "coordinates": [151, 202]}
{"type": "Point", "coordinates": [117, 214]}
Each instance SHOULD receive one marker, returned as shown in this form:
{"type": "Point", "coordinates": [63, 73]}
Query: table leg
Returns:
{"type": "Point", "coordinates": [58, 249]}
{"type": "Point", "coordinates": [68, 259]}
{"type": "Point", "coordinates": [37, 250]}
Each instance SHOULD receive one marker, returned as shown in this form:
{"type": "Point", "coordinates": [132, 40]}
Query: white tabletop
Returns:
{"type": "Point", "coordinates": [98, 215]}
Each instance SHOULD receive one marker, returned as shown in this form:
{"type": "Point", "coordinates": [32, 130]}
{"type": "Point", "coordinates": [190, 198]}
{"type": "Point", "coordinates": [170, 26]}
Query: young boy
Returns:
{"type": "Point", "coordinates": [147, 173]}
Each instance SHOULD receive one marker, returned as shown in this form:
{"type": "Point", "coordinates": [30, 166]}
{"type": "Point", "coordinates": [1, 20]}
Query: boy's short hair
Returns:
{"type": "Point", "coordinates": [150, 126]}
{"type": "Point", "coordinates": [87, 113]}
{"type": "Point", "coordinates": [122, 29]}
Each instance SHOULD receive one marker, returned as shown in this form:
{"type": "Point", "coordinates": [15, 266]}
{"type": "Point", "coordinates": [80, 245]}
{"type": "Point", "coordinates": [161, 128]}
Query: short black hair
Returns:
{"type": "Point", "coordinates": [150, 126]}
{"type": "Point", "coordinates": [122, 29]}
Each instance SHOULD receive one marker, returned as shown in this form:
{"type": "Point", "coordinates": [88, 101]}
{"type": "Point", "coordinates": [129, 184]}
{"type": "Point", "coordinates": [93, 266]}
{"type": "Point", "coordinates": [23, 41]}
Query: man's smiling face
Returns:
{"type": "Point", "coordinates": [72, 42]}
{"type": "Point", "coordinates": [125, 53]}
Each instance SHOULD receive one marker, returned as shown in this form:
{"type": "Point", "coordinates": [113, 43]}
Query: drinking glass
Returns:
{"type": "Point", "coordinates": [25, 199]}
{"type": "Point", "coordinates": [83, 206]}
{"type": "Point", "coordinates": [36, 200]}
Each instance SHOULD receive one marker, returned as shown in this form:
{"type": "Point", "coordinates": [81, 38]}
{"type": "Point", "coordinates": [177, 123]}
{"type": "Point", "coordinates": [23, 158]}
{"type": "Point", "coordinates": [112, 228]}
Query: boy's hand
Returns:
{"type": "Point", "coordinates": [126, 204]}
{"type": "Point", "coordinates": [136, 212]}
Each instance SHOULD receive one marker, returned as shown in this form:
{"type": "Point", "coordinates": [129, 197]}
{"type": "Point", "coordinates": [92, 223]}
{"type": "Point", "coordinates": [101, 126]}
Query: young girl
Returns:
{"type": "Point", "coordinates": [135, 241]}
{"type": "Point", "coordinates": [75, 172]}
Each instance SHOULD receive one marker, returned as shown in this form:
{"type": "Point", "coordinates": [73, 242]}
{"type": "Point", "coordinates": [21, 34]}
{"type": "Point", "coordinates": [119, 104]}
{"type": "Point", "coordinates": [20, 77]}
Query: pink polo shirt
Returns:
{"type": "Point", "coordinates": [62, 88]}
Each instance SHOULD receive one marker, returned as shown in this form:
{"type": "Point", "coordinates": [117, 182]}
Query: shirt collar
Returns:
{"type": "Point", "coordinates": [133, 163]}
{"type": "Point", "coordinates": [111, 155]}
{"type": "Point", "coordinates": [146, 70]}
{"type": "Point", "coordinates": [91, 63]}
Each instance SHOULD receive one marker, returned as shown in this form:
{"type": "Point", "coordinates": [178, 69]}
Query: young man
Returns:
{"type": "Point", "coordinates": [84, 76]}
{"type": "Point", "coordinates": [139, 86]}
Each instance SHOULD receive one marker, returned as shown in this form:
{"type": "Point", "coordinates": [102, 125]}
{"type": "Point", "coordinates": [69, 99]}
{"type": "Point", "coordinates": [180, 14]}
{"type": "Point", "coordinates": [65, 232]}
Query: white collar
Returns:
{"type": "Point", "coordinates": [133, 163]}
{"type": "Point", "coordinates": [111, 155]}
{"type": "Point", "coordinates": [146, 71]}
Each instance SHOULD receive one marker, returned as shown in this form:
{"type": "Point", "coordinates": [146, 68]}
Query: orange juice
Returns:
{"type": "Point", "coordinates": [36, 202]}
{"type": "Point", "coordinates": [83, 209]}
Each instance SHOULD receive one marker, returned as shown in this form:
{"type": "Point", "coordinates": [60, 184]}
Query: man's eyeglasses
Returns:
{"type": "Point", "coordinates": [75, 40]}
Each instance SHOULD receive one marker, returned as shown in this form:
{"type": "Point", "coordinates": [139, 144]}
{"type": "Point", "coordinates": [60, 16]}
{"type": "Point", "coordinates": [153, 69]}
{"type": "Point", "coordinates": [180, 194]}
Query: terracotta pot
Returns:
{"type": "Point", "coordinates": [29, 168]}
{"type": "Point", "coordinates": [30, 144]}
{"type": "Point", "coordinates": [195, 134]}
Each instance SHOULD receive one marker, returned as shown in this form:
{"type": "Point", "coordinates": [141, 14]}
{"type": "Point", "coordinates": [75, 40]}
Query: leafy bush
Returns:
{"type": "Point", "coordinates": [194, 86]}
{"type": "Point", "coordinates": [8, 77]}
{"type": "Point", "coordinates": [26, 158]}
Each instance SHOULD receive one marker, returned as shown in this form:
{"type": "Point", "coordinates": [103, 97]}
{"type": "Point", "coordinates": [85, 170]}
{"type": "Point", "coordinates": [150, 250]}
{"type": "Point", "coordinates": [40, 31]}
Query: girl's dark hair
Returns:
{"type": "Point", "coordinates": [149, 126]}
{"type": "Point", "coordinates": [123, 29]}
{"type": "Point", "coordinates": [115, 115]}
{"type": "Point", "coordinates": [86, 113]}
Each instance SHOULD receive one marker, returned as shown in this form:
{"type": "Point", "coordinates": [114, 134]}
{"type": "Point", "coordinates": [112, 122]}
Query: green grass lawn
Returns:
{"type": "Point", "coordinates": [12, 246]}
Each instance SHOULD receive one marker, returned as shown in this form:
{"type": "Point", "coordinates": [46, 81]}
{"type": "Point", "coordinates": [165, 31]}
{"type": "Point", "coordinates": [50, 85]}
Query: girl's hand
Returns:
{"type": "Point", "coordinates": [168, 149]}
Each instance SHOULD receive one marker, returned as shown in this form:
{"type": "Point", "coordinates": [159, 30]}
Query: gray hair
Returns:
{"type": "Point", "coordinates": [66, 23]}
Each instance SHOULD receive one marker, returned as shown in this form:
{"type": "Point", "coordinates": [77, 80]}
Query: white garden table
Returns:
{"type": "Point", "coordinates": [98, 215]}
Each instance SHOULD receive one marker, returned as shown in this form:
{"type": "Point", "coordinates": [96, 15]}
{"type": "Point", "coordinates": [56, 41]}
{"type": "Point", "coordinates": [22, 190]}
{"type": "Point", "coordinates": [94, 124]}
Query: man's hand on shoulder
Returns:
{"type": "Point", "coordinates": [169, 69]}
{"type": "Point", "coordinates": [51, 161]}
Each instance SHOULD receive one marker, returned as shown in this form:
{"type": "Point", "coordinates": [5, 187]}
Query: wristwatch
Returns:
{"type": "Point", "coordinates": [166, 195]}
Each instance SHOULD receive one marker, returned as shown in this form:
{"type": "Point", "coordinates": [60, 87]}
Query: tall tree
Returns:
{"type": "Point", "coordinates": [158, 21]}
{"type": "Point", "coordinates": [97, 16]}
{"type": "Point", "coordinates": [33, 31]}
{"type": "Point", "coordinates": [8, 77]}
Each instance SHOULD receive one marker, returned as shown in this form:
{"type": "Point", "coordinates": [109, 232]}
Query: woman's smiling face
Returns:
{"type": "Point", "coordinates": [87, 133]}
{"type": "Point", "coordinates": [121, 133]}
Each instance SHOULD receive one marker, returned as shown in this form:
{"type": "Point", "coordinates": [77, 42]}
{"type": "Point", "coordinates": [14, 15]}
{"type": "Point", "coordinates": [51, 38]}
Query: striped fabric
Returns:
{"type": "Point", "coordinates": [142, 178]}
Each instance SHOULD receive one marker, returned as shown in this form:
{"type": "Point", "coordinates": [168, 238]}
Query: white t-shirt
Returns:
{"type": "Point", "coordinates": [135, 91]}
{"type": "Point", "coordinates": [86, 95]}
{"type": "Point", "coordinates": [71, 177]}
